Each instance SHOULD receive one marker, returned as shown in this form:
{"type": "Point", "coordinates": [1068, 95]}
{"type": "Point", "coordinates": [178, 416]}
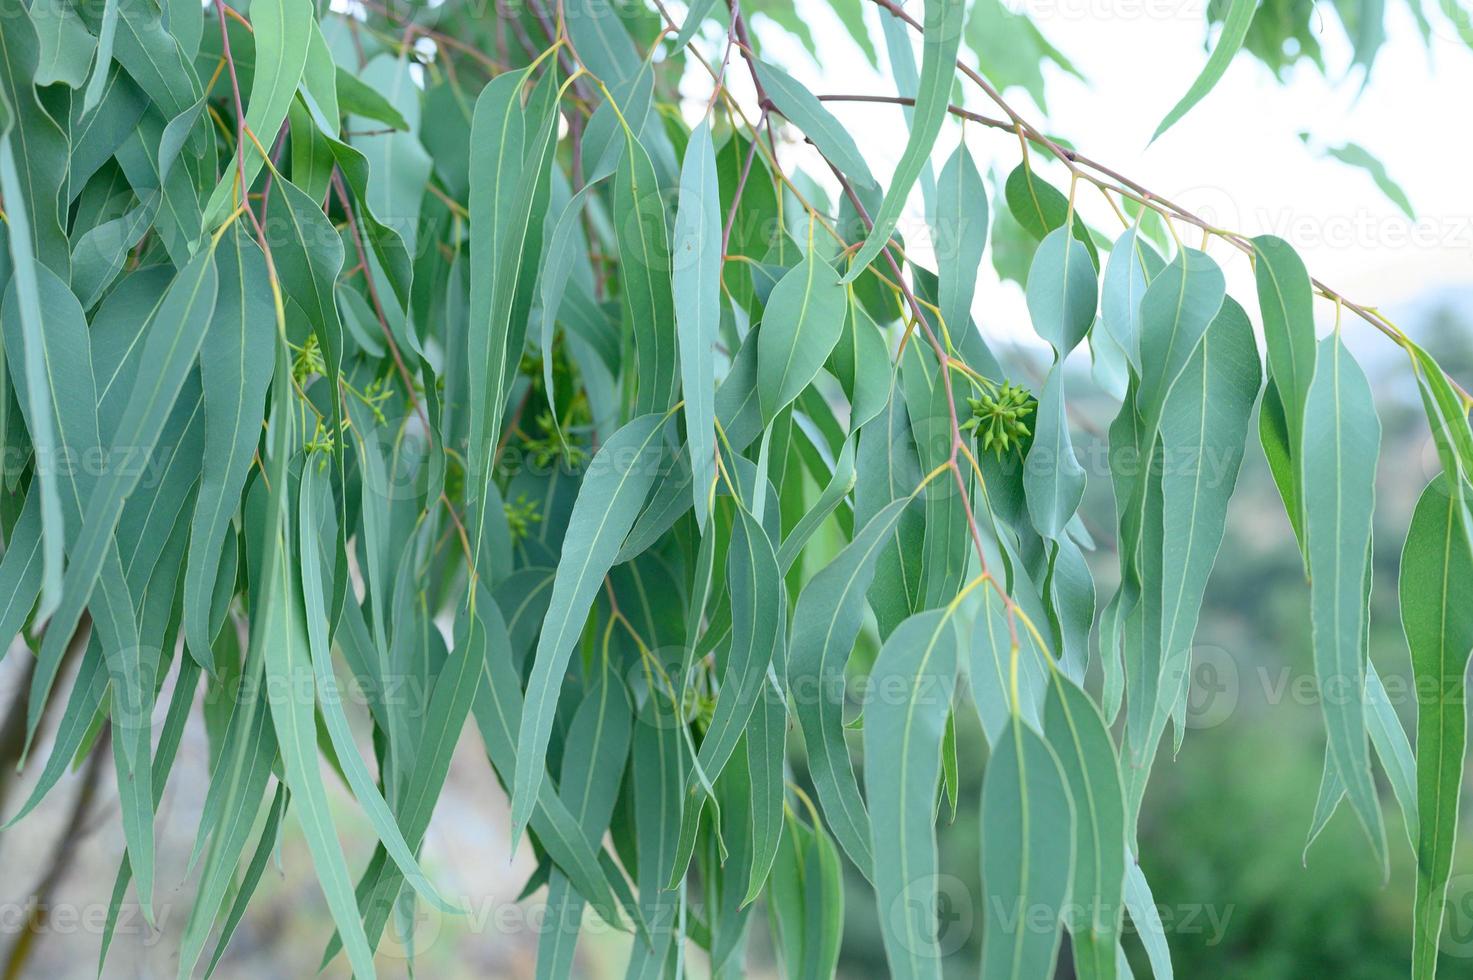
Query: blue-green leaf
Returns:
{"type": "Point", "coordinates": [1342, 441]}
{"type": "Point", "coordinates": [594, 754]}
{"type": "Point", "coordinates": [805, 111]}
{"type": "Point", "coordinates": [961, 237]}
{"type": "Point", "coordinates": [1285, 297]}
{"type": "Point", "coordinates": [1076, 731]}
{"type": "Point", "coordinates": [826, 622]}
{"type": "Point", "coordinates": [235, 370]}
{"type": "Point", "coordinates": [805, 316]}
{"type": "Point", "coordinates": [1028, 855]}
{"type": "Point", "coordinates": [282, 32]}
{"type": "Point", "coordinates": [1063, 292]}
{"type": "Point", "coordinates": [696, 286]}
{"type": "Point", "coordinates": [1234, 30]}
{"type": "Point", "coordinates": [942, 38]}
{"type": "Point", "coordinates": [903, 731]}
{"type": "Point", "coordinates": [1052, 477]}
{"type": "Point", "coordinates": [1436, 566]}
{"type": "Point", "coordinates": [611, 495]}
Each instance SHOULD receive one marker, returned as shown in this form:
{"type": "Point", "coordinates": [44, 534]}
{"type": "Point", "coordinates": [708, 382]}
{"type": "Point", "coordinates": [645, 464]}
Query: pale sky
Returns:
{"type": "Point", "coordinates": [1237, 156]}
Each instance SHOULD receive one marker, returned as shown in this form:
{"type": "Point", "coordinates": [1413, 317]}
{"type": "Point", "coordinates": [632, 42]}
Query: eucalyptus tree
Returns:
{"type": "Point", "coordinates": [563, 370]}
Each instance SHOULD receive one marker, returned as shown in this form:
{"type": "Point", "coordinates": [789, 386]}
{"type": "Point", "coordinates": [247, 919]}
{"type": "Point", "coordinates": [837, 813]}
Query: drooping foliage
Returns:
{"type": "Point", "coordinates": [411, 368]}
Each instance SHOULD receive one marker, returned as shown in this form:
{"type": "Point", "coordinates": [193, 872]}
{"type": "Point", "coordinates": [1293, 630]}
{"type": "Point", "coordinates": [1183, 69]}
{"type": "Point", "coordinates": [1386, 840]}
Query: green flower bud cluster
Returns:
{"type": "Point", "coordinates": [998, 418]}
{"type": "Point", "coordinates": [521, 514]}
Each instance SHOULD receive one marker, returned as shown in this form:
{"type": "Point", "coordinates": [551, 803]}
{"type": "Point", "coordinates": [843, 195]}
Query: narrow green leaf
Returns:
{"type": "Point", "coordinates": [1179, 304]}
{"type": "Point", "coordinates": [1355, 155]}
{"type": "Point", "coordinates": [68, 396]}
{"type": "Point", "coordinates": [35, 163]}
{"type": "Point", "coordinates": [1052, 477]}
{"type": "Point", "coordinates": [1203, 433]}
{"type": "Point", "coordinates": [659, 769]}
{"type": "Point", "coordinates": [902, 768]}
{"type": "Point", "coordinates": [31, 375]}
{"type": "Point", "coordinates": [282, 32]}
{"type": "Point", "coordinates": [106, 38]}
{"type": "Point", "coordinates": [841, 482]}
{"type": "Point", "coordinates": [1284, 297]}
{"type": "Point", "coordinates": [170, 349]}
{"type": "Point", "coordinates": [1234, 29]}
{"type": "Point", "coordinates": [823, 879]}
{"type": "Point", "coordinates": [315, 498]}
{"type": "Point", "coordinates": [319, 91]}
{"type": "Point", "coordinates": [360, 99]}
{"type": "Point", "coordinates": [1273, 436]}
{"type": "Point", "coordinates": [766, 753]}
{"type": "Point", "coordinates": [498, 712]}
{"type": "Point", "coordinates": [1342, 441]}
{"type": "Point", "coordinates": [758, 608]}
{"type": "Point", "coordinates": [594, 754]}
{"type": "Point", "coordinates": [696, 288]}
{"type": "Point", "coordinates": [960, 236]}
{"type": "Point", "coordinates": [235, 369]}
{"type": "Point", "coordinates": [1076, 731]}
{"type": "Point", "coordinates": [505, 242]}
{"type": "Point", "coordinates": [1389, 739]}
{"type": "Point", "coordinates": [180, 703]}
{"type": "Point", "coordinates": [804, 110]}
{"type": "Point", "coordinates": [613, 490]}
{"type": "Point", "coordinates": [289, 681]}
{"type": "Point", "coordinates": [20, 567]}
{"type": "Point", "coordinates": [805, 318]}
{"type": "Point", "coordinates": [1436, 566]}
{"type": "Point", "coordinates": [647, 301]}
{"type": "Point", "coordinates": [694, 15]}
{"type": "Point", "coordinates": [826, 621]}
{"type": "Point", "coordinates": [941, 40]}
{"type": "Point", "coordinates": [1146, 918]}
{"type": "Point", "coordinates": [1028, 855]}
{"type": "Point", "coordinates": [1128, 271]}
{"type": "Point", "coordinates": [237, 785]}
{"type": "Point", "coordinates": [787, 909]}
{"type": "Point", "coordinates": [989, 667]}
{"type": "Point", "coordinates": [861, 362]}
{"type": "Point", "coordinates": [266, 844]}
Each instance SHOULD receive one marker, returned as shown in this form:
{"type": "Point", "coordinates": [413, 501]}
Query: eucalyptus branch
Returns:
{"type": "Point", "coordinates": [1074, 161]}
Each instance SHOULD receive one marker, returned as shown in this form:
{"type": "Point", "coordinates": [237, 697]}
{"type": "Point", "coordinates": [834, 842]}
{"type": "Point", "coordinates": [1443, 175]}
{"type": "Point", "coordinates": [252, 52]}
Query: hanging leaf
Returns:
{"type": "Point", "coordinates": [902, 752]}
{"type": "Point", "coordinates": [807, 311]}
{"type": "Point", "coordinates": [648, 303]}
{"type": "Point", "coordinates": [1288, 327]}
{"type": "Point", "coordinates": [1131, 266]}
{"type": "Point", "coordinates": [1234, 29]}
{"type": "Point", "coordinates": [234, 371]}
{"type": "Point", "coordinates": [960, 236]}
{"type": "Point", "coordinates": [609, 499]}
{"type": "Point", "coordinates": [282, 32]}
{"type": "Point", "coordinates": [806, 112]}
{"type": "Point", "coordinates": [826, 620]}
{"type": "Point", "coordinates": [942, 37]}
{"type": "Point", "coordinates": [1342, 440]}
{"type": "Point", "coordinates": [1076, 732]}
{"type": "Point", "coordinates": [1028, 860]}
{"type": "Point", "coordinates": [1062, 291]}
{"type": "Point", "coordinates": [1052, 477]}
{"type": "Point", "coordinates": [1435, 564]}
{"type": "Point", "coordinates": [696, 286]}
